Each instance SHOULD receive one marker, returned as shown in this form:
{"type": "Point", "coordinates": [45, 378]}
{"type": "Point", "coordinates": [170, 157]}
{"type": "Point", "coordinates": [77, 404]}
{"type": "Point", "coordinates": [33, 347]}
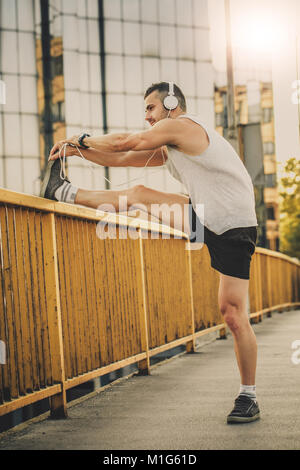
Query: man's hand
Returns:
{"type": "Point", "coordinates": [70, 148]}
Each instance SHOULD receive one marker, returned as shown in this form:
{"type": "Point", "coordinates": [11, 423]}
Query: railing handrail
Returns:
{"type": "Point", "coordinates": [35, 202]}
{"type": "Point", "coordinates": [86, 213]}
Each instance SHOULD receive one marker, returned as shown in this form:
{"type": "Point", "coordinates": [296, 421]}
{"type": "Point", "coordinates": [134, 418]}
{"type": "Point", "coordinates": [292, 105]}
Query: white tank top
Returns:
{"type": "Point", "coordinates": [218, 179]}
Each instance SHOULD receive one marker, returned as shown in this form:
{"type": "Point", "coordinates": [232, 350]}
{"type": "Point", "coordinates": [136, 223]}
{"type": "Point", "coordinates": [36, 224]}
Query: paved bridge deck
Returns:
{"type": "Point", "coordinates": [184, 403]}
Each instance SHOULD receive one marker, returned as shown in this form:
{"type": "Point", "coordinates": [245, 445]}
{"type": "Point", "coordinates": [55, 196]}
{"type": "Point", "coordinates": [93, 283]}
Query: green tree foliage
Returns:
{"type": "Point", "coordinates": [290, 209]}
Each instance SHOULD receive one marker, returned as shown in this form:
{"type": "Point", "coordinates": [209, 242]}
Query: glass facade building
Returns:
{"type": "Point", "coordinates": [70, 66]}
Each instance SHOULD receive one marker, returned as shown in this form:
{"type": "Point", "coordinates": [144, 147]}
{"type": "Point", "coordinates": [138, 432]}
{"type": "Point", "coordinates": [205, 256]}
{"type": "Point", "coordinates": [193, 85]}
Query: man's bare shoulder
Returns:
{"type": "Point", "coordinates": [190, 137]}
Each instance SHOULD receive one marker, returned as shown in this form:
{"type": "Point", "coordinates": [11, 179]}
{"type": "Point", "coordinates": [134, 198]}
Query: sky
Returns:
{"type": "Point", "coordinates": [263, 32]}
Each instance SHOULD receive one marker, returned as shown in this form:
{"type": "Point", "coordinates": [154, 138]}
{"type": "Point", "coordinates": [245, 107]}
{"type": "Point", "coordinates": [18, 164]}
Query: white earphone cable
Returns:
{"type": "Point", "coordinates": [63, 164]}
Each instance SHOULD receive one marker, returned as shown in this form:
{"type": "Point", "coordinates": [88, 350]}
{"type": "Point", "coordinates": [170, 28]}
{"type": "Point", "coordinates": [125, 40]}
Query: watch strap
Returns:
{"type": "Point", "coordinates": [81, 139]}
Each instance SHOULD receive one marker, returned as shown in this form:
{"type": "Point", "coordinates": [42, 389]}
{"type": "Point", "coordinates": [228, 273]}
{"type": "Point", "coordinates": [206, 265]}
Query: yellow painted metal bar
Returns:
{"type": "Point", "coordinates": [58, 402]}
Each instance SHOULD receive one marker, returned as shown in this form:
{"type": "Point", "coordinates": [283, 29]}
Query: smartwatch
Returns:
{"type": "Point", "coordinates": [81, 139]}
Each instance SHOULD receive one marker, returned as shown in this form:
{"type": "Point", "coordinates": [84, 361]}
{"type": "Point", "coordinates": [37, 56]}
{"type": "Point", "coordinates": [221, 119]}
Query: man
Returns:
{"type": "Point", "coordinates": [213, 175]}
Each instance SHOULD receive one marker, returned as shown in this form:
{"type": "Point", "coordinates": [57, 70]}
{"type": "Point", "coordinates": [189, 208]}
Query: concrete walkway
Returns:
{"type": "Point", "coordinates": [184, 403]}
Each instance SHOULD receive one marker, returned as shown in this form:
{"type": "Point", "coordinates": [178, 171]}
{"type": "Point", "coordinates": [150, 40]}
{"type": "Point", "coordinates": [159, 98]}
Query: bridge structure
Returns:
{"type": "Point", "coordinates": [84, 293]}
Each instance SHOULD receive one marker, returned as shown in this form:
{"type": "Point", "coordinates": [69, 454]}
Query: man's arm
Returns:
{"type": "Point", "coordinates": [117, 159]}
{"type": "Point", "coordinates": [164, 132]}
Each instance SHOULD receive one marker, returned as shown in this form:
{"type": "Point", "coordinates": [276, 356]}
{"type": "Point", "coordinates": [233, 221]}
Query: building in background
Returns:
{"type": "Point", "coordinates": [83, 65]}
{"type": "Point", "coordinates": [255, 119]}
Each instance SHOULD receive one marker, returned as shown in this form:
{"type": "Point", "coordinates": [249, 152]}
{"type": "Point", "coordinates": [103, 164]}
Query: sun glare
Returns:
{"type": "Point", "coordinates": [259, 33]}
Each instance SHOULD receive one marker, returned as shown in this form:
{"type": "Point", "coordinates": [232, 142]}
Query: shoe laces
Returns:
{"type": "Point", "coordinates": [62, 172]}
{"type": "Point", "coordinates": [241, 403]}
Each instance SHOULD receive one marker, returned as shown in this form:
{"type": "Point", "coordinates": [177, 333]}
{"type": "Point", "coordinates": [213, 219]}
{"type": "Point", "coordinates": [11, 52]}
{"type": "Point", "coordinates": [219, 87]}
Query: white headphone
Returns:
{"type": "Point", "coordinates": [171, 101]}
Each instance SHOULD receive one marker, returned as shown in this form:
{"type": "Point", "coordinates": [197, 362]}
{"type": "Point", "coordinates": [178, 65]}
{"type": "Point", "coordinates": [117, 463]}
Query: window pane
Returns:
{"type": "Point", "coordinates": [12, 93]}
{"type": "Point", "coordinates": [131, 10]}
{"type": "Point", "coordinates": [27, 53]}
{"type": "Point", "coordinates": [167, 41]}
{"type": "Point", "coordinates": [169, 70]}
{"type": "Point", "coordinates": [133, 75]}
{"type": "Point", "coordinates": [187, 77]}
{"type": "Point", "coordinates": [69, 6]}
{"type": "Point", "coordinates": [14, 172]}
{"type": "Point", "coordinates": [96, 111]}
{"type": "Point", "coordinates": [8, 14]}
{"type": "Point", "coordinates": [72, 107]}
{"type": "Point", "coordinates": [94, 70]}
{"type": "Point", "coordinates": [166, 11]}
{"type": "Point", "coordinates": [70, 35]}
{"type": "Point", "coordinates": [200, 13]}
{"type": "Point", "coordinates": [83, 37]}
{"type": "Point", "coordinates": [30, 136]}
{"type": "Point", "coordinates": [115, 111]}
{"type": "Point", "coordinates": [114, 74]}
{"type": "Point", "coordinates": [149, 10]}
{"type": "Point", "coordinates": [205, 80]}
{"type": "Point", "coordinates": [84, 72]}
{"type": "Point", "coordinates": [56, 25]}
{"type": "Point", "coordinates": [28, 95]}
{"type": "Point", "coordinates": [31, 172]}
{"type": "Point", "coordinates": [70, 63]}
{"type": "Point", "coordinates": [206, 111]}
{"type": "Point", "coordinates": [93, 36]}
{"type": "Point", "coordinates": [184, 12]}
{"type": "Point", "coordinates": [132, 38]}
{"type": "Point", "coordinates": [112, 8]}
{"type": "Point", "coordinates": [150, 36]}
{"type": "Point", "coordinates": [25, 14]}
{"type": "Point", "coordinates": [12, 135]}
{"type": "Point", "coordinates": [92, 8]}
{"type": "Point", "coordinates": [185, 43]}
{"type": "Point", "coordinates": [202, 45]}
{"type": "Point", "coordinates": [81, 7]}
{"type": "Point", "coordinates": [113, 37]}
{"type": "Point", "coordinates": [9, 55]}
{"type": "Point", "coordinates": [85, 112]}
{"type": "Point", "coordinates": [191, 105]}
{"type": "Point", "coordinates": [134, 107]}
{"type": "Point", "coordinates": [151, 71]}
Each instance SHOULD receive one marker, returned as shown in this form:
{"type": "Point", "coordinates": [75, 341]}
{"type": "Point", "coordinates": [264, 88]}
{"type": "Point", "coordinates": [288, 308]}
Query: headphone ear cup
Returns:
{"type": "Point", "coordinates": [170, 102]}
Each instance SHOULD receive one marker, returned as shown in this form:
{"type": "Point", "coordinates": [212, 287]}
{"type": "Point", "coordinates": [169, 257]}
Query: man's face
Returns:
{"type": "Point", "coordinates": [154, 109]}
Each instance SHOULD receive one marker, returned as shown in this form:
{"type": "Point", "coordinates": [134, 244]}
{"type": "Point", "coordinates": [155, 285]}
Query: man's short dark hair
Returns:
{"type": "Point", "coordinates": [163, 89]}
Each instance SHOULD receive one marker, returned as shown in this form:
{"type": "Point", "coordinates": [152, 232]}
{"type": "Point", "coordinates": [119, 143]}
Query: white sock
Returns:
{"type": "Point", "coordinates": [248, 390]}
{"type": "Point", "coordinates": [66, 193]}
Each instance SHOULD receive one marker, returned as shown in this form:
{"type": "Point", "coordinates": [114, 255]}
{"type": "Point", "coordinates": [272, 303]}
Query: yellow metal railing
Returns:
{"type": "Point", "coordinates": [74, 307]}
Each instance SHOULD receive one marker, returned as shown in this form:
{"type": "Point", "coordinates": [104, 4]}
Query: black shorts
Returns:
{"type": "Point", "coordinates": [230, 252]}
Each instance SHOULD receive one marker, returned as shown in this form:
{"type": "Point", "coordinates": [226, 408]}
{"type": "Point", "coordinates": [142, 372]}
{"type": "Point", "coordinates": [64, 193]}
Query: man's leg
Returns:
{"type": "Point", "coordinates": [233, 294]}
{"type": "Point", "coordinates": [140, 197]}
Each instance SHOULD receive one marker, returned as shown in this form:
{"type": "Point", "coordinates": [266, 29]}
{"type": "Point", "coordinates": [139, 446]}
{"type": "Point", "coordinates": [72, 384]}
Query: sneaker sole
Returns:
{"type": "Point", "coordinates": [46, 178]}
{"type": "Point", "coordinates": [237, 419]}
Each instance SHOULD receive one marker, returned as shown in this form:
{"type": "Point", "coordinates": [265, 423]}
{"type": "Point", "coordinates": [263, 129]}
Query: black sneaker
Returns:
{"type": "Point", "coordinates": [245, 410]}
{"type": "Point", "coordinates": [53, 179]}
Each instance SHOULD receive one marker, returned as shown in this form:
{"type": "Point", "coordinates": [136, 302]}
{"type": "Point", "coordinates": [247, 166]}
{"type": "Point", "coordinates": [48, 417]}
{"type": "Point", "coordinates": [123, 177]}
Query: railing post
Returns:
{"type": "Point", "coordinates": [260, 297]}
{"type": "Point", "coordinates": [144, 365]}
{"type": "Point", "coordinates": [191, 345]}
{"type": "Point", "coordinates": [58, 403]}
{"type": "Point", "coordinates": [269, 284]}
{"type": "Point", "coordinates": [222, 333]}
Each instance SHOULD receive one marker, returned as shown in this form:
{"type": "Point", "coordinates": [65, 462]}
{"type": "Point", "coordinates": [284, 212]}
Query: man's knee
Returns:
{"type": "Point", "coordinates": [233, 315]}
